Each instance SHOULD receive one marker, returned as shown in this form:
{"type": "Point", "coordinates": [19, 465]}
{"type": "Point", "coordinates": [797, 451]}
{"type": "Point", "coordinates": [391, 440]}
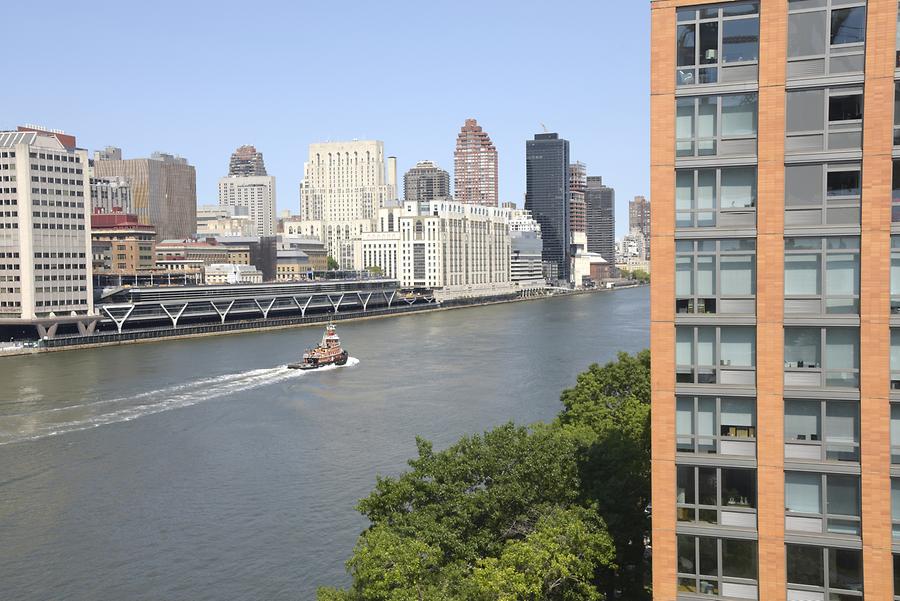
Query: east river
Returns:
{"type": "Point", "coordinates": [203, 469]}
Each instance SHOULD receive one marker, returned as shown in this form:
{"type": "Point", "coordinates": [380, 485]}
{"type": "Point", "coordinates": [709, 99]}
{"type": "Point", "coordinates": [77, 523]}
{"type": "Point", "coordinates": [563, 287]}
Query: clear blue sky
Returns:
{"type": "Point", "coordinates": [201, 78]}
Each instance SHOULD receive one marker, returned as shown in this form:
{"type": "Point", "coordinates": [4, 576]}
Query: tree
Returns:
{"type": "Point", "coordinates": [641, 276]}
{"type": "Point", "coordinates": [375, 270]}
{"type": "Point", "coordinates": [332, 264]}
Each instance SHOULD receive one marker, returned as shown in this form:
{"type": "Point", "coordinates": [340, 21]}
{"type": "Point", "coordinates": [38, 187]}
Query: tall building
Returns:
{"type": "Point", "coordinates": [121, 244]}
{"type": "Point", "coordinates": [774, 445]}
{"type": "Point", "coordinates": [426, 182]}
{"type": "Point", "coordinates": [218, 220]}
{"type": "Point", "coordinates": [256, 193]}
{"type": "Point", "coordinates": [246, 162]}
{"type": "Point", "coordinates": [639, 218]}
{"type": "Point", "coordinates": [600, 218]}
{"type": "Point", "coordinates": [111, 194]}
{"type": "Point", "coordinates": [547, 196]}
{"type": "Point", "coordinates": [475, 166]}
{"type": "Point", "coordinates": [344, 184]}
{"type": "Point", "coordinates": [577, 187]}
{"type": "Point", "coordinates": [163, 189]}
{"type": "Point", "coordinates": [45, 232]}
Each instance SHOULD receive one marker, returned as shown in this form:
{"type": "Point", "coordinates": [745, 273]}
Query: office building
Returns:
{"type": "Point", "coordinates": [109, 194]}
{"type": "Point", "coordinates": [774, 438]}
{"type": "Point", "coordinates": [121, 244]}
{"type": "Point", "coordinates": [45, 233]}
{"type": "Point", "coordinates": [426, 182]}
{"type": "Point", "coordinates": [246, 162]}
{"type": "Point", "coordinates": [218, 220]}
{"type": "Point", "coordinates": [229, 273]}
{"type": "Point", "coordinates": [475, 166]}
{"type": "Point", "coordinates": [257, 194]}
{"type": "Point", "coordinates": [547, 197]}
{"type": "Point", "coordinates": [600, 218]}
{"type": "Point", "coordinates": [577, 206]}
{"type": "Point", "coordinates": [163, 189]}
{"type": "Point", "coordinates": [344, 184]}
{"type": "Point", "coordinates": [639, 218]}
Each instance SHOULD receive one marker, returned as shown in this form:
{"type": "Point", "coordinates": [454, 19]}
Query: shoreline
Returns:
{"type": "Point", "coordinates": [315, 322]}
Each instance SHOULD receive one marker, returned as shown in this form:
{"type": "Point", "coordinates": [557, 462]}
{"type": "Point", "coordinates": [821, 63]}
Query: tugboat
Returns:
{"type": "Point", "coordinates": [328, 352]}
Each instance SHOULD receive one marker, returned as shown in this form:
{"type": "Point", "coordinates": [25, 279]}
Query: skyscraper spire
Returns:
{"type": "Point", "coordinates": [246, 161]}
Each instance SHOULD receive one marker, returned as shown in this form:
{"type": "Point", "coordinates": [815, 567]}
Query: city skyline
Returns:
{"type": "Point", "coordinates": [417, 125]}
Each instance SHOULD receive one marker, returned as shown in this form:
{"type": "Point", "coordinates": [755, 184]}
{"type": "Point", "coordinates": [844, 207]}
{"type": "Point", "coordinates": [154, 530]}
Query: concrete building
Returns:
{"type": "Point", "coordinates": [475, 166]}
{"type": "Point", "coordinates": [229, 273]}
{"type": "Point", "coordinates": [600, 219]}
{"type": "Point", "coordinates": [521, 220]}
{"type": "Point", "coordinates": [121, 244]}
{"type": "Point", "coordinates": [775, 439]}
{"type": "Point", "coordinates": [163, 189]}
{"type": "Point", "coordinates": [300, 254]}
{"type": "Point", "coordinates": [246, 161]}
{"type": "Point", "coordinates": [639, 218]}
{"type": "Point", "coordinates": [379, 250]}
{"type": "Point", "coordinates": [426, 182]}
{"type": "Point", "coordinates": [525, 262]}
{"type": "Point", "coordinates": [577, 206]}
{"type": "Point", "coordinates": [257, 194]}
{"type": "Point", "coordinates": [217, 220]}
{"type": "Point", "coordinates": [344, 185]}
{"type": "Point", "coordinates": [547, 196]}
{"type": "Point", "coordinates": [111, 194]}
{"type": "Point", "coordinates": [45, 234]}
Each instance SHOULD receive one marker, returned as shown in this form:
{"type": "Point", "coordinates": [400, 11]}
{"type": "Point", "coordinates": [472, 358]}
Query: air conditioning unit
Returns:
{"type": "Point", "coordinates": [711, 55]}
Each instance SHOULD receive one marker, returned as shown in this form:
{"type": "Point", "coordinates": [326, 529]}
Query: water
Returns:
{"type": "Point", "coordinates": [204, 469]}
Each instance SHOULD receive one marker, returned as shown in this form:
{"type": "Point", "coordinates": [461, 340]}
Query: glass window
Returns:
{"type": "Point", "coordinates": [824, 119]}
{"type": "Point", "coordinates": [895, 507]}
{"type": "Point", "coordinates": [805, 565]}
{"type": "Point", "coordinates": [802, 492]}
{"type": "Point", "coordinates": [848, 25]}
{"type": "Point", "coordinates": [810, 289]}
{"type": "Point", "coordinates": [825, 38]}
{"type": "Point", "coordinates": [700, 569]}
{"type": "Point", "coordinates": [716, 425]}
{"type": "Point", "coordinates": [806, 34]}
{"type": "Point", "coordinates": [802, 420]}
{"type": "Point", "coordinates": [845, 569]}
{"type": "Point", "coordinates": [739, 115]}
{"type": "Point", "coordinates": [712, 275]}
{"type": "Point", "coordinates": [740, 40]}
{"type": "Point", "coordinates": [802, 347]}
{"type": "Point", "coordinates": [845, 107]}
{"type": "Point", "coordinates": [738, 346]}
{"type": "Point", "coordinates": [698, 132]}
{"type": "Point", "coordinates": [703, 493]}
{"type": "Point", "coordinates": [835, 573]}
{"type": "Point", "coordinates": [816, 502]}
{"type": "Point", "coordinates": [708, 197]}
{"type": "Point", "coordinates": [805, 110]}
{"type": "Point", "coordinates": [895, 433]}
{"type": "Point", "coordinates": [717, 44]}
{"type": "Point", "coordinates": [739, 558]}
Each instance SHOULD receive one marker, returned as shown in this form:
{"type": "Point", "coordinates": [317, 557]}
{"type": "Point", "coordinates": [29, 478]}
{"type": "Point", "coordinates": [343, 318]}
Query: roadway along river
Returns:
{"type": "Point", "coordinates": [204, 470]}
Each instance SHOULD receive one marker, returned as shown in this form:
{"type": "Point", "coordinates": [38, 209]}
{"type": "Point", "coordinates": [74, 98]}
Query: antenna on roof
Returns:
{"type": "Point", "coordinates": [545, 128]}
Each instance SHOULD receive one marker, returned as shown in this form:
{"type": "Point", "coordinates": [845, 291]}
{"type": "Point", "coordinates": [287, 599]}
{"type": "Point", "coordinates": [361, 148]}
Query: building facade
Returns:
{"type": "Point", "coordinates": [426, 182]}
{"type": "Point", "coordinates": [257, 194]}
{"type": "Point", "coordinates": [121, 244]}
{"type": "Point", "coordinates": [246, 161]}
{"type": "Point", "coordinates": [774, 438]}
{"type": "Point", "coordinates": [163, 189]}
{"type": "Point", "coordinates": [577, 206]}
{"type": "Point", "coordinates": [475, 166]}
{"type": "Point", "coordinates": [344, 184]}
{"type": "Point", "coordinates": [45, 233]}
{"type": "Point", "coordinates": [110, 194]}
{"type": "Point", "coordinates": [217, 220]}
{"type": "Point", "coordinates": [547, 197]}
{"type": "Point", "coordinates": [600, 211]}
{"type": "Point", "coordinates": [639, 218]}
{"type": "Point", "coordinates": [230, 273]}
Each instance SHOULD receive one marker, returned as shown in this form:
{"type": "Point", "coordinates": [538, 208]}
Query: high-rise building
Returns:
{"type": "Point", "coordinates": [218, 220]}
{"type": "Point", "coordinates": [163, 189]}
{"type": "Point", "coordinates": [121, 244]}
{"type": "Point", "coordinates": [426, 182]}
{"type": "Point", "coordinates": [246, 161]}
{"type": "Point", "coordinates": [774, 444]}
{"type": "Point", "coordinates": [475, 166]}
{"type": "Point", "coordinates": [344, 184]}
{"type": "Point", "coordinates": [639, 218]}
{"type": "Point", "coordinates": [257, 194]}
{"type": "Point", "coordinates": [577, 206]}
{"type": "Point", "coordinates": [547, 197]}
{"type": "Point", "coordinates": [600, 218]}
{"type": "Point", "coordinates": [110, 194]}
{"type": "Point", "coordinates": [45, 232]}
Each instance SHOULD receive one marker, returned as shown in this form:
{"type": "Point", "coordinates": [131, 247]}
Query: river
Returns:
{"type": "Point", "coordinates": [203, 469]}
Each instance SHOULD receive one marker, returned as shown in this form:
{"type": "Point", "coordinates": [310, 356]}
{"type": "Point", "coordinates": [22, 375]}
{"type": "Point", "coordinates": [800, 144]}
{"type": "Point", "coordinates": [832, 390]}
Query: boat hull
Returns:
{"type": "Point", "coordinates": [317, 363]}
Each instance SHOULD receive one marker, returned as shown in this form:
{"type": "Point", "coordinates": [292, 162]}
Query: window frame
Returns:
{"type": "Point", "coordinates": [718, 212]}
{"type": "Point", "coordinates": [696, 368]}
{"type": "Point", "coordinates": [695, 303]}
{"type": "Point", "coordinates": [718, 137]}
{"type": "Point", "coordinates": [829, 128]}
{"type": "Point", "coordinates": [825, 588]}
{"type": "Point", "coordinates": [694, 443]}
{"type": "Point", "coordinates": [823, 370]}
{"type": "Point", "coordinates": [831, 51]}
{"type": "Point", "coordinates": [689, 75]}
{"type": "Point", "coordinates": [825, 203]}
{"type": "Point", "coordinates": [697, 508]}
{"type": "Point", "coordinates": [823, 253]}
{"type": "Point", "coordinates": [824, 515]}
{"type": "Point", "coordinates": [822, 440]}
{"type": "Point", "coordinates": [719, 578]}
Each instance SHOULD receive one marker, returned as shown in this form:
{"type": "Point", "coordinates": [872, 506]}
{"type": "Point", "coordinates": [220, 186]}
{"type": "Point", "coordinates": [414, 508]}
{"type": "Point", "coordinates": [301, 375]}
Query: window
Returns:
{"type": "Point", "coordinates": [713, 425]}
{"type": "Point", "coordinates": [717, 566]}
{"type": "Point", "coordinates": [821, 275]}
{"type": "Point", "coordinates": [824, 119]}
{"type": "Point", "coordinates": [895, 507]}
{"type": "Point", "coordinates": [716, 495]}
{"type": "Point", "coordinates": [835, 573]}
{"type": "Point", "coordinates": [709, 197]}
{"type": "Point", "coordinates": [822, 194]}
{"type": "Point", "coordinates": [715, 355]}
{"type": "Point", "coordinates": [821, 430]}
{"type": "Point", "coordinates": [805, 365]}
{"type": "Point", "coordinates": [897, 560]}
{"type": "Point", "coordinates": [717, 44]}
{"type": "Point", "coordinates": [715, 276]}
{"type": "Point", "coordinates": [895, 192]}
{"type": "Point", "coordinates": [822, 503]}
{"type": "Point", "coordinates": [825, 37]}
{"type": "Point", "coordinates": [716, 125]}
{"type": "Point", "coordinates": [895, 358]}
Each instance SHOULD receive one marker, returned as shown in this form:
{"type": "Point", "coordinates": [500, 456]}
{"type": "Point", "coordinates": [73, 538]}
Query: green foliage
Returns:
{"type": "Point", "coordinates": [332, 264]}
{"type": "Point", "coordinates": [375, 270]}
{"type": "Point", "coordinates": [546, 513]}
{"type": "Point", "coordinates": [641, 276]}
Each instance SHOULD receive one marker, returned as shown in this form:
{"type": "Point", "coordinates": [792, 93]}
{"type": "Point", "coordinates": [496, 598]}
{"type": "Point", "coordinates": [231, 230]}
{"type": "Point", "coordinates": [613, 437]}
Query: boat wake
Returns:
{"type": "Point", "coordinates": [43, 423]}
